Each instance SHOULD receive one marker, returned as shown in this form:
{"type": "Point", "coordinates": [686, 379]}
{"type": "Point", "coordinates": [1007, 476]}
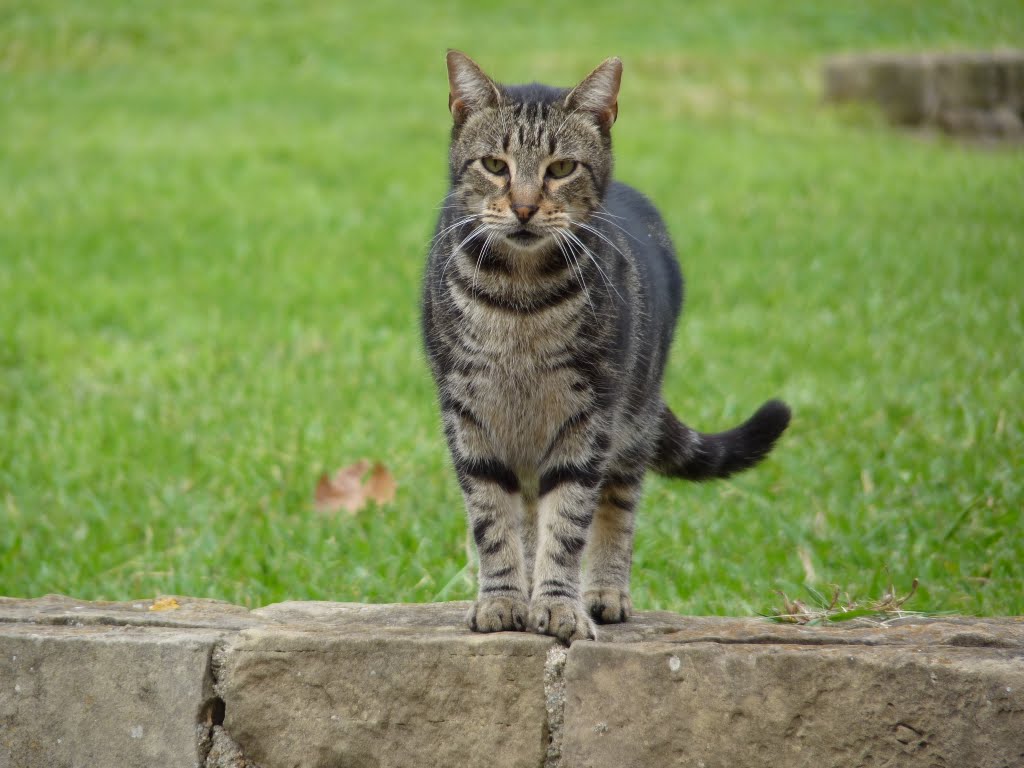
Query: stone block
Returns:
{"type": "Point", "coordinates": [733, 693]}
{"type": "Point", "coordinates": [902, 86]}
{"type": "Point", "coordinates": [970, 81]}
{"type": "Point", "coordinates": [1012, 64]}
{"type": "Point", "coordinates": [383, 687]}
{"type": "Point", "coordinates": [98, 696]}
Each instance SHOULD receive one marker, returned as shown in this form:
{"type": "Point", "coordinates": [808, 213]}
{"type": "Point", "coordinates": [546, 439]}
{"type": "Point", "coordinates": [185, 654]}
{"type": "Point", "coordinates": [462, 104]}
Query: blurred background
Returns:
{"type": "Point", "coordinates": [213, 223]}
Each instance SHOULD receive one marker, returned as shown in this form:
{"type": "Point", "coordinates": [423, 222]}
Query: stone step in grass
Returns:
{"type": "Point", "coordinates": [970, 94]}
{"type": "Point", "coordinates": [208, 684]}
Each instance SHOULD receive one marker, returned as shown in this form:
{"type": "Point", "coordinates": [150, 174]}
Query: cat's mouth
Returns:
{"type": "Point", "coordinates": [523, 237]}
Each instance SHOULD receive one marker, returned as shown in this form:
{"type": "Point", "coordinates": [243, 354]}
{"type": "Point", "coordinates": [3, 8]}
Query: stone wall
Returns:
{"type": "Point", "coordinates": [978, 94]}
{"type": "Point", "coordinates": [211, 685]}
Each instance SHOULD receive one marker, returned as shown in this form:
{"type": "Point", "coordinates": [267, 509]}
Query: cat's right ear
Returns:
{"type": "Point", "coordinates": [469, 89]}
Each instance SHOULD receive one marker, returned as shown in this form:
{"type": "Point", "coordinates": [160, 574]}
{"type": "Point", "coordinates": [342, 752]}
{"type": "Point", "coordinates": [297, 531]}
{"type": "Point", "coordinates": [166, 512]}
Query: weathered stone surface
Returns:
{"type": "Point", "coordinates": [903, 88]}
{"type": "Point", "coordinates": [224, 752]}
{"type": "Point", "coordinates": [383, 686]}
{"type": "Point", "coordinates": [901, 84]}
{"type": "Point", "coordinates": [332, 684]}
{"type": "Point", "coordinates": [99, 695]}
{"type": "Point", "coordinates": [418, 617]}
{"type": "Point", "coordinates": [1013, 67]}
{"type": "Point", "coordinates": [191, 612]}
{"type": "Point", "coordinates": [846, 79]}
{"type": "Point", "coordinates": [969, 94]}
{"type": "Point", "coordinates": [913, 630]}
{"type": "Point", "coordinates": [720, 692]}
{"type": "Point", "coordinates": [971, 80]}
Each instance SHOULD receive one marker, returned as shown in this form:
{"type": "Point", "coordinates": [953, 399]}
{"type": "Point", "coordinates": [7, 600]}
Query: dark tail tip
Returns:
{"type": "Point", "coordinates": [685, 453]}
{"type": "Point", "coordinates": [754, 439]}
{"type": "Point", "coordinates": [768, 423]}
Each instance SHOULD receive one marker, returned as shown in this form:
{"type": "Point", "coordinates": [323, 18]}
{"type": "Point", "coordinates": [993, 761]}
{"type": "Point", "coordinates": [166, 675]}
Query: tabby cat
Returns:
{"type": "Point", "coordinates": [550, 298]}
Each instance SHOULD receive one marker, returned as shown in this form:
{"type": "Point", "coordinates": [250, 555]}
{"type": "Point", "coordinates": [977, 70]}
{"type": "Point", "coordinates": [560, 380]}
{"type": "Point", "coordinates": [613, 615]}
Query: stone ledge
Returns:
{"type": "Point", "coordinates": [326, 684]}
{"type": "Point", "coordinates": [976, 94]}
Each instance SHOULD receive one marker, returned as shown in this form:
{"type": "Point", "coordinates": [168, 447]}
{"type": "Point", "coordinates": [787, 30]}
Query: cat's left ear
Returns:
{"type": "Point", "coordinates": [598, 94]}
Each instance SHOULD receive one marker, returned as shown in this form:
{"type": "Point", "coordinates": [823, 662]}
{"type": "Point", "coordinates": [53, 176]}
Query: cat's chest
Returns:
{"type": "Point", "coordinates": [523, 409]}
{"type": "Point", "coordinates": [517, 344]}
{"type": "Point", "coordinates": [517, 339]}
{"type": "Point", "coordinates": [519, 393]}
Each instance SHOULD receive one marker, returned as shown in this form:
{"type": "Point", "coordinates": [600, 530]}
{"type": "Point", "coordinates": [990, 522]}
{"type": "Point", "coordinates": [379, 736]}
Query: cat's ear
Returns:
{"type": "Point", "coordinates": [469, 89]}
{"type": "Point", "coordinates": [598, 94]}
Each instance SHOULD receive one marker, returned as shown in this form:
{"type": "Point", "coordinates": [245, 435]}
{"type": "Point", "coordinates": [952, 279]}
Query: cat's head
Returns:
{"type": "Point", "coordinates": [528, 162]}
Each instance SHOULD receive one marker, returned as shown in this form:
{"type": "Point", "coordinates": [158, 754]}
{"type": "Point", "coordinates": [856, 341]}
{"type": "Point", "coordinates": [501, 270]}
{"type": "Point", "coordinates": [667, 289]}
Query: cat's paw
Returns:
{"type": "Point", "coordinates": [498, 614]}
{"type": "Point", "coordinates": [608, 606]}
{"type": "Point", "coordinates": [561, 618]}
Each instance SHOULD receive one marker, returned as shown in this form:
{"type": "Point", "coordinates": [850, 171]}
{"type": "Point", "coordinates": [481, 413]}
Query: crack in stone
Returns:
{"type": "Point", "coordinates": [225, 753]}
{"type": "Point", "coordinates": [209, 711]}
{"type": "Point", "coordinates": [554, 703]}
{"type": "Point", "coordinates": [217, 749]}
{"type": "Point", "coordinates": [211, 715]}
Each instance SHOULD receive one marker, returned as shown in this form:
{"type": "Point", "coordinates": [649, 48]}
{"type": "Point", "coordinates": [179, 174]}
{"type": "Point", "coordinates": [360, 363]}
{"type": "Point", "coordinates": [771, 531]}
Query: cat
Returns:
{"type": "Point", "coordinates": [550, 298]}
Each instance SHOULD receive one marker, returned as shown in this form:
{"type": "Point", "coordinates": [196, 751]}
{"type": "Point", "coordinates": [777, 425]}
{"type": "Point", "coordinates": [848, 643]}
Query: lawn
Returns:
{"type": "Point", "coordinates": [213, 221]}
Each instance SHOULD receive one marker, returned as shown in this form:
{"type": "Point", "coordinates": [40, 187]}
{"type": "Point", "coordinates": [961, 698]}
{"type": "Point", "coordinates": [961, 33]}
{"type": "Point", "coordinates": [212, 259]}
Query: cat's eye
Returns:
{"type": "Point", "coordinates": [561, 168]}
{"type": "Point", "coordinates": [494, 165]}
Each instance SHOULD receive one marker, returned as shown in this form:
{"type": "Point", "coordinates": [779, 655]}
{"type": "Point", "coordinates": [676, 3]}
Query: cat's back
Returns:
{"type": "Point", "coordinates": [647, 241]}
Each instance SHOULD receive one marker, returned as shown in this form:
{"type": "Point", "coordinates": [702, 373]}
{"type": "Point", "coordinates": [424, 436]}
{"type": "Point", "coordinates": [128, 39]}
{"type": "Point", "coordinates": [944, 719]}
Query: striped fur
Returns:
{"type": "Point", "coordinates": [550, 298]}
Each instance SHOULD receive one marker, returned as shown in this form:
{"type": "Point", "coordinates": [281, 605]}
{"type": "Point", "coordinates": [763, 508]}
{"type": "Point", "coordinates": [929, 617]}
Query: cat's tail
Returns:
{"type": "Point", "coordinates": [692, 455]}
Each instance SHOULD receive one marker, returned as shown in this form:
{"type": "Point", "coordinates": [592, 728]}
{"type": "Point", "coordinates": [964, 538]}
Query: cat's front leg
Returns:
{"type": "Point", "coordinates": [495, 510]}
{"type": "Point", "coordinates": [565, 512]}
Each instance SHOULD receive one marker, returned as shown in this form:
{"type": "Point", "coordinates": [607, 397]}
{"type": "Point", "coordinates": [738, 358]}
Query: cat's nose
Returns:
{"type": "Point", "coordinates": [524, 212]}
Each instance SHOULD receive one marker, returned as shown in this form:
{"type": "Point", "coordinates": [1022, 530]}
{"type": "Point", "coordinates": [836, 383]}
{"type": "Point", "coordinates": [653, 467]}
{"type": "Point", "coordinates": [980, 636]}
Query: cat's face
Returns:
{"type": "Point", "coordinates": [529, 162]}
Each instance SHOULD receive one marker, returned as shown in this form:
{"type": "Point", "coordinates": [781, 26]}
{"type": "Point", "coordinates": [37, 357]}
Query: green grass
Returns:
{"type": "Point", "coordinates": [213, 219]}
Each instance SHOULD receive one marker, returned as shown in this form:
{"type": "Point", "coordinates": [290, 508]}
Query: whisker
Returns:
{"type": "Point", "coordinates": [457, 249]}
{"type": "Point", "coordinates": [608, 240]}
{"type": "Point", "coordinates": [471, 236]}
{"type": "Point", "coordinates": [599, 233]}
{"type": "Point", "coordinates": [609, 213]}
{"type": "Point", "coordinates": [445, 203]}
{"type": "Point", "coordinates": [601, 217]}
{"type": "Point", "coordinates": [458, 223]}
{"type": "Point", "coordinates": [572, 255]}
{"type": "Point", "coordinates": [590, 254]}
{"type": "Point", "coordinates": [480, 258]}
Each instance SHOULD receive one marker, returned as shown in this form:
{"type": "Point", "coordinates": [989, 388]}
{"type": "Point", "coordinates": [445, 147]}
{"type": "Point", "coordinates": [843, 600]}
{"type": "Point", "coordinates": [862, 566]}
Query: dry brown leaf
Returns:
{"type": "Point", "coordinates": [165, 604]}
{"type": "Point", "coordinates": [381, 486]}
{"type": "Point", "coordinates": [346, 490]}
{"type": "Point", "coordinates": [343, 490]}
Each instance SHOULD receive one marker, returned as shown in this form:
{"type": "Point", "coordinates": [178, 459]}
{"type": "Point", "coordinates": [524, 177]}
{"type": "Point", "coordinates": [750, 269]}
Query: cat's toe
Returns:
{"type": "Point", "coordinates": [608, 606]}
{"type": "Point", "coordinates": [564, 619]}
{"type": "Point", "coordinates": [498, 614]}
